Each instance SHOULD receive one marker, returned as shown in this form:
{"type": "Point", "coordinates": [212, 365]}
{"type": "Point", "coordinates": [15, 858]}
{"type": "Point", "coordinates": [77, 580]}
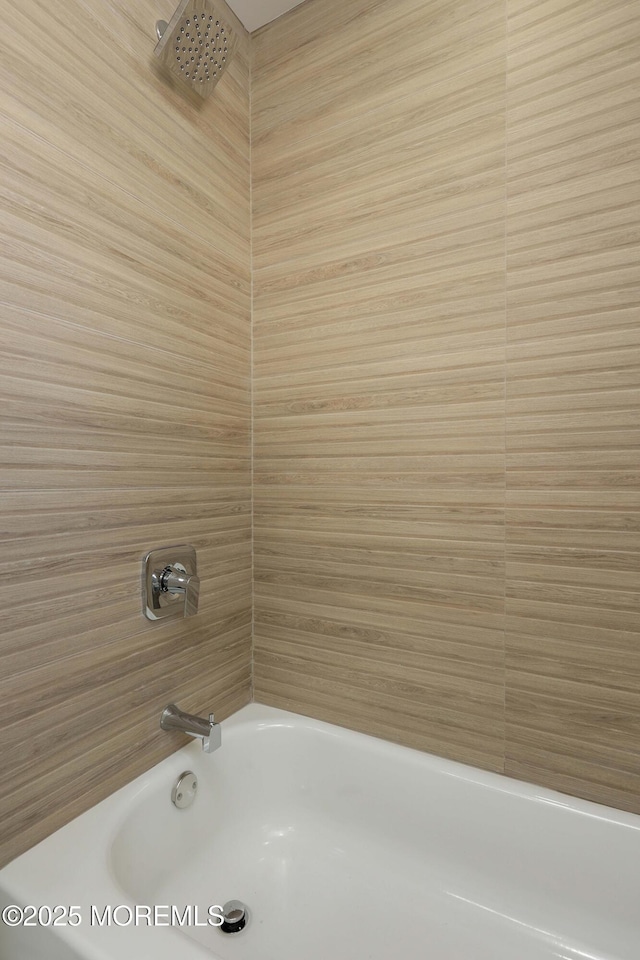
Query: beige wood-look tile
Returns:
{"type": "Point", "coordinates": [430, 471]}
{"type": "Point", "coordinates": [573, 379]}
{"type": "Point", "coordinates": [375, 227]}
{"type": "Point", "coordinates": [124, 753]}
{"type": "Point", "coordinates": [378, 710]}
{"type": "Point", "coordinates": [125, 323]}
{"type": "Point", "coordinates": [319, 87]}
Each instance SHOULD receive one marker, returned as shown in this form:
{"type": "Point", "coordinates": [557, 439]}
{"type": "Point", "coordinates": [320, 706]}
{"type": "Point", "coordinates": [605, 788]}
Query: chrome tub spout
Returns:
{"type": "Point", "coordinates": [206, 730]}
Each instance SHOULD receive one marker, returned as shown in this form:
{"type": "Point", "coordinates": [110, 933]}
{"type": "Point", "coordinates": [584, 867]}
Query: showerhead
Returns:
{"type": "Point", "coordinates": [196, 45]}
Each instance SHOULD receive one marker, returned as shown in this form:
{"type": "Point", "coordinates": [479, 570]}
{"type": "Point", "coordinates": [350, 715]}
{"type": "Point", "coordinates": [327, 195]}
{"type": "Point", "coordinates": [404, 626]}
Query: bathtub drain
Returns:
{"type": "Point", "coordinates": [235, 915]}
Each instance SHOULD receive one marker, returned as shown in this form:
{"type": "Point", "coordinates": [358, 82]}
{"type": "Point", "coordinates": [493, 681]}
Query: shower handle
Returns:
{"type": "Point", "coordinates": [175, 581]}
{"type": "Point", "coordinates": [170, 582]}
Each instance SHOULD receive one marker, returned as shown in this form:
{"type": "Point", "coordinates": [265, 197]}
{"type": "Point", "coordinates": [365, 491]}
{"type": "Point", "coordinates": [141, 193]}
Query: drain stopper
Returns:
{"type": "Point", "coordinates": [235, 916]}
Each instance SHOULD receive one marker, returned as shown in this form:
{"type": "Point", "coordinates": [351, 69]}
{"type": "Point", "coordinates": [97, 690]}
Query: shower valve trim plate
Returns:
{"type": "Point", "coordinates": [171, 586]}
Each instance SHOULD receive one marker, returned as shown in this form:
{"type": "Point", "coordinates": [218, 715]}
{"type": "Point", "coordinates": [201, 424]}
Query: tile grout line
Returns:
{"type": "Point", "coordinates": [251, 387]}
{"type": "Point", "coordinates": [504, 502]}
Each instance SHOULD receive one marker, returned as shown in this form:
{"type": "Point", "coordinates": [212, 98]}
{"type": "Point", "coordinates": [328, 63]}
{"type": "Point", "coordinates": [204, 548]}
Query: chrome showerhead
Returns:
{"type": "Point", "coordinates": [196, 45]}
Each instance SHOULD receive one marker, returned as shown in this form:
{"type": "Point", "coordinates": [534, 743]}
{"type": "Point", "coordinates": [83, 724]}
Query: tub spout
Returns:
{"type": "Point", "coordinates": [206, 730]}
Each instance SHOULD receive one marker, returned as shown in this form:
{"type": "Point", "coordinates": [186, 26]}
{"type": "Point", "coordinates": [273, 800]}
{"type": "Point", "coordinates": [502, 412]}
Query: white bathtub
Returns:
{"type": "Point", "coordinates": [344, 848]}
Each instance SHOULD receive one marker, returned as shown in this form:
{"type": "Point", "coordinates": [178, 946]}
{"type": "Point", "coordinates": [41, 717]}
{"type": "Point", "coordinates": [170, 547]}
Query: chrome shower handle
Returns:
{"type": "Point", "coordinates": [170, 582]}
{"type": "Point", "coordinates": [175, 580]}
